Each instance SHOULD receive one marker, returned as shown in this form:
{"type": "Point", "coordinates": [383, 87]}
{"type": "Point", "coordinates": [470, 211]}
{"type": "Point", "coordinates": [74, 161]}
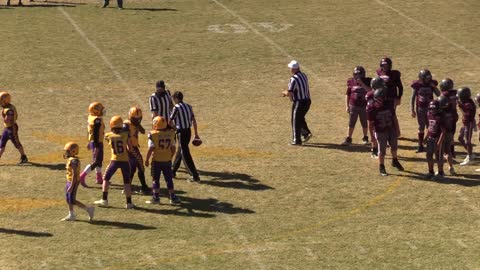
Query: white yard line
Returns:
{"type": "Point", "coordinates": [431, 30]}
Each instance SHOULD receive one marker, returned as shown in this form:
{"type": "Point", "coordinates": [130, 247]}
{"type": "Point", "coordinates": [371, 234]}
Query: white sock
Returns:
{"type": "Point", "coordinates": [88, 169]}
{"type": "Point", "coordinates": [98, 169]}
{"type": "Point", "coordinates": [71, 213]}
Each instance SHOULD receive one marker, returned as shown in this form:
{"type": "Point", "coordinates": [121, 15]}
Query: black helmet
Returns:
{"type": "Point", "coordinates": [377, 83]}
{"type": "Point", "coordinates": [443, 102]}
{"type": "Point", "coordinates": [434, 106]}
{"type": "Point", "coordinates": [359, 71]}
{"type": "Point", "coordinates": [379, 93]}
{"type": "Point", "coordinates": [386, 61]}
{"type": "Point", "coordinates": [464, 93]}
{"type": "Point", "coordinates": [446, 84]}
{"type": "Point", "coordinates": [477, 99]}
{"type": "Point", "coordinates": [425, 75]}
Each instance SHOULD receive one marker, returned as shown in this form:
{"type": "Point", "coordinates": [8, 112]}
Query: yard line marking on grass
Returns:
{"type": "Point", "coordinates": [114, 70]}
{"type": "Point", "coordinates": [451, 42]}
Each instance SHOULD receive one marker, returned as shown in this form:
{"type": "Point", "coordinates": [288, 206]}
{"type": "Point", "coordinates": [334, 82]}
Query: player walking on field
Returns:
{"type": "Point", "coordinates": [422, 95]}
{"type": "Point", "coordinates": [356, 103]}
{"type": "Point", "coordinates": [134, 126]}
{"type": "Point", "coordinates": [446, 88]}
{"type": "Point", "coordinates": [381, 120]}
{"type": "Point", "coordinates": [120, 144]}
{"type": "Point", "coordinates": [73, 180]}
{"type": "Point", "coordinates": [299, 94]}
{"type": "Point", "coordinates": [161, 145]}
{"type": "Point", "coordinates": [467, 106]}
{"type": "Point", "coordinates": [96, 132]}
{"type": "Point", "coordinates": [448, 123]}
{"type": "Point", "coordinates": [10, 130]}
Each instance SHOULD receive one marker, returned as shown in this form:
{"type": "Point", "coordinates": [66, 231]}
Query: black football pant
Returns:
{"type": "Point", "coordinates": [183, 152]}
{"type": "Point", "coordinates": [299, 125]}
{"type": "Point", "coordinates": [107, 2]}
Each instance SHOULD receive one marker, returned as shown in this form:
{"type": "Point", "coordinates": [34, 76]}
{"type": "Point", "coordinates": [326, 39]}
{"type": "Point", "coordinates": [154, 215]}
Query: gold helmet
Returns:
{"type": "Point", "coordinates": [96, 109]}
{"type": "Point", "coordinates": [4, 98]}
{"type": "Point", "coordinates": [71, 150]}
{"type": "Point", "coordinates": [135, 112]}
{"type": "Point", "coordinates": [159, 122]}
{"type": "Point", "coordinates": [116, 122]}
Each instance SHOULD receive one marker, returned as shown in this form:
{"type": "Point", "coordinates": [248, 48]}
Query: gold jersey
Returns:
{"type": "Point", "coordinates": [9, 110]}
{"type": "Point", "coordinates": [118, 143]}
{"type": "Point", "coordinates": [92, 120]}
{"type": "Point", "coordinates": [133, 132]}
{"type": "Point", "coordinates": [73, 168]}
{"type": "Point", "coordinates": [161, 141]}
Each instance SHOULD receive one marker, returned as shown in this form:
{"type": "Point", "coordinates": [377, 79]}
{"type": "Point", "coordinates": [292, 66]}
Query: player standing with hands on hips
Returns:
{"type": "Point", "coordinates": [299, 94]}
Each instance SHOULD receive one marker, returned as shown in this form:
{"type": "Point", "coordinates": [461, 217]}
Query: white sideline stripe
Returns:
{"type": "Point", "coordinates": [458, 46]}
{"type": "Point", "coordinates": [99, 52]}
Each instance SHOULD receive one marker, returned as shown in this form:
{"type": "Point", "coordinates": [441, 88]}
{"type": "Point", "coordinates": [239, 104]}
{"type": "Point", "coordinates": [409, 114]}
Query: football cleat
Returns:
{"type": "Point", "coordinates": [130, 206]}
{"type": "Point", "coordinates": [365, 140]}
{"type": "Point", "coordinates": [159, 122]}
{"type": "Point", "coordinates": [420, 149]}
{"type": "Point", "coordinates": [101, 203]}
{"type": "Point", "coordinates": [68, 218]}
{"type": "Point", "coordinates": [307, 137]}
{"type": "Point", "coordinates": [91, 212]}
{"type": "Point", "coordinates": [153, 201]}
{"type": "Point", "coordinates": [23, 159]}
{"type": "Point", "coordinates": [466, 161]}
{"type": "Point", "coordinates": [295, 144]}
{"type": "Point", "coordinates": [347, 141]}
{"type": "Point", "coordinates": [451, 170]}
{"type": "Point", "coordinates": [96, 109]}
{"type": "Point", "coordinates": [396, 164]}
{"type": "Point", "coordinates": [382, 170]}
{"type": "Point", "coordinates": [174, 199]}
{"type": "Point", "coordinates": [430, 175]}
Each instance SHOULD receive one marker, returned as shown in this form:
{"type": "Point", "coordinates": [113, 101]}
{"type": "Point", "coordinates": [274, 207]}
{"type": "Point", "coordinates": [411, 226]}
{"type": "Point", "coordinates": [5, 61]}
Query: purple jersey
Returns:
{"type": "Point", "coordinates": [434, 124]}
{"type": "Point", "coordinates": [469, 110]}
{"type": "Point", "coordinates": [423, 93]}
{"type": "Point", "coordinates": [356, 93]}
{"type": "Point", "coordinates": [381, 115]}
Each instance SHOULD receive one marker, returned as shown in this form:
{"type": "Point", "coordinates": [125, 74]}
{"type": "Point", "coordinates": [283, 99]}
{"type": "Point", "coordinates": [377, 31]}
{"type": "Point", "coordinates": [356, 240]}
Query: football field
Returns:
{"type": "Point", "coordinates": [261, 204]}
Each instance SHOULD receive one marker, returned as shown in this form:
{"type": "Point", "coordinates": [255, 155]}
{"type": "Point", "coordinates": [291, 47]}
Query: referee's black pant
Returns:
{"type": "Point", "coordinates": [183, 152]}
{"type": "Point", "coordinates": [299, 125]}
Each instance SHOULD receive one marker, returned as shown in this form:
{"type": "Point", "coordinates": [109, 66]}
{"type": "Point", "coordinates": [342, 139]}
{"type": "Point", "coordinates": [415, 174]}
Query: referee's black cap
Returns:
{"type": "Point", "coordinates": [161, 84]}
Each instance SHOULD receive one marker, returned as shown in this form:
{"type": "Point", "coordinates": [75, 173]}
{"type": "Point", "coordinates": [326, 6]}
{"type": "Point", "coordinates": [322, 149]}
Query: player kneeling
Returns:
{"type": "Point", "coordinates": [436, 137]}
{"type": "Point", "coordinates": [119, 142]}
{"type": "Point", "coordinates": [381, 120]}
{"type": "Point", "coordinates": [161, 145]}
{"type": "Point", "coordinates": [73, 180]}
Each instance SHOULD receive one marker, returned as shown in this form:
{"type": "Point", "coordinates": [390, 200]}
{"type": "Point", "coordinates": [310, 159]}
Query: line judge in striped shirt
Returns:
{"type": "Point", "coordinates": [183, 117]}
{"type": "Point", "coordinates": [161, 101]}
{"type": "Point", "coordinates": [299, 94]}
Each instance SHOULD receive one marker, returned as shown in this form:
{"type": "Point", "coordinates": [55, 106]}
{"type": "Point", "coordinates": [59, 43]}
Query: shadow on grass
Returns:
{"type": "Point", "coordinates": [120, 225]}
{"type": "Point", "coordinates": [176, 212]}
{"type": "Point", "coordinates": [57, 167]}
{"type": "Point", "coordinates": [233, 180]}
{"type": "Point", "coordinates": [333, 146]}
{"type": "Point", "coordinates": [25, 233]}
{"type": "Point", "coordinates": [152, 9]}
{"type": "Point", "coordinates": [466, 180]}
{"type": "Point", "coordinates": [36, 6]}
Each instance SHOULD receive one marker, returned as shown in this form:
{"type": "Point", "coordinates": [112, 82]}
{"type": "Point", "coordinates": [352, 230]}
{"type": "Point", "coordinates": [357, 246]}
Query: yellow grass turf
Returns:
{"type": "Point", "coordinates": [262, 204]}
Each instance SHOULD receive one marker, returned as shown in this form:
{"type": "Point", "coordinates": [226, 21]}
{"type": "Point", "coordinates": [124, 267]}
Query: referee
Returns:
{"type": "Point", "coordinates": [299, 95]}
{"type": "Point", "coordinates": [161, 101]}
{"type": "Point", "coordinates": [183, 117]}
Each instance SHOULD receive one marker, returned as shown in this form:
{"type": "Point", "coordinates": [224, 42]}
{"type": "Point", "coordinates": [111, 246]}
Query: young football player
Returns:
{"type": "Point", "coordinates": [73, 180]}
{"type": "Point", "coordinates": [449, 121]}
{"type": "Point", "coordinates": [96, 132]}
{"type": "Point", "coordinates": [120, 145]}
{"type": "Point", "coordinates": [134, 126]}
{"type": "Point", "coordinates": [10, 130]}
{"type": "Point", "coordinates": [381, 121]}
{"type": "Point", "coordinates": [446, 88]}
{"type": "Point", "coordinates": [356, 103]}
{"type": "Point", "coordinates": [161, 145]}
{"type": "Point", "coordinates": [467, 106]}
{"type": "Point", "coordinates": [436, 135]}
{"type": "Point", "coordinates": [422, 95]}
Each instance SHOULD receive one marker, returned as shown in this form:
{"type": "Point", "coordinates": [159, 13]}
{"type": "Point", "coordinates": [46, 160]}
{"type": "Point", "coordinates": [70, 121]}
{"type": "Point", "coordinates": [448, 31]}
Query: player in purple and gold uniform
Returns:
{"type": "Point", "coordinates": [381, 120]}
{"type": "Point", "coordinates": [10, 130]}
{"type": "Point", "coordinates": [467, 106]}
{"type": "Point", "coordinates": [449, 121]}
{"type": "Point", "coordinates": [446, 88]}
{"type": "Point", "coordinates": [436, 135]}
{"type": "Point", "coordinates": [357, 88]}
{"type": "Point", "coordinates": [96, 131]}
{"type": "Point", "coordinates": [120, 145]}
{"type": "Point", "coordinates": [73, 179]}
{"type": "Point", "coordinates": [422, 95]}
{"type": "Point", "coordinates": [394, 86]}
{"type": "Point", "coordinates": [134, 126]}
{"type": "Point", "coordinates": [161, 145]}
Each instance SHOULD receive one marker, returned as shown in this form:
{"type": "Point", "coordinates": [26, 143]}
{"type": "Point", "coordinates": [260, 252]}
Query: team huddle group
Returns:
{"type": "Point", "coordinates": [374, 101]}
{"type": "Point", "coordinates": [123, 140]}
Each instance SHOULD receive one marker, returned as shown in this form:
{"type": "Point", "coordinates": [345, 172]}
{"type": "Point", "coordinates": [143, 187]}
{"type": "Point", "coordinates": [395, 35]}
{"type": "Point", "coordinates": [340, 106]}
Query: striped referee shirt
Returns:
{"type": "Point", "coordinates": [161, 103]}
{"type": "Point", "coordinates": [182, 114]}
{"type": "Point", "coordinates": [298, 87]}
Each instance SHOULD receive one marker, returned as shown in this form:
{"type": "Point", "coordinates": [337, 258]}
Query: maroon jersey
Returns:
{"type": "Point", "coordinates": [450, 118]}
{"type": "Point", "coordinates": [452, 100]}
{"type": "Point", "coordinates": [356, 93]}
{"type": "Point", "coordinates": [381, 115]}
{"type": "Point", "coordinates": [393, 81]}
{"type": "Point", "coordinates": [434, 124]}
{"type": "Point", "coordinates": [423, 93]}
{"type": "Point", "coordinates": [469, 110]}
